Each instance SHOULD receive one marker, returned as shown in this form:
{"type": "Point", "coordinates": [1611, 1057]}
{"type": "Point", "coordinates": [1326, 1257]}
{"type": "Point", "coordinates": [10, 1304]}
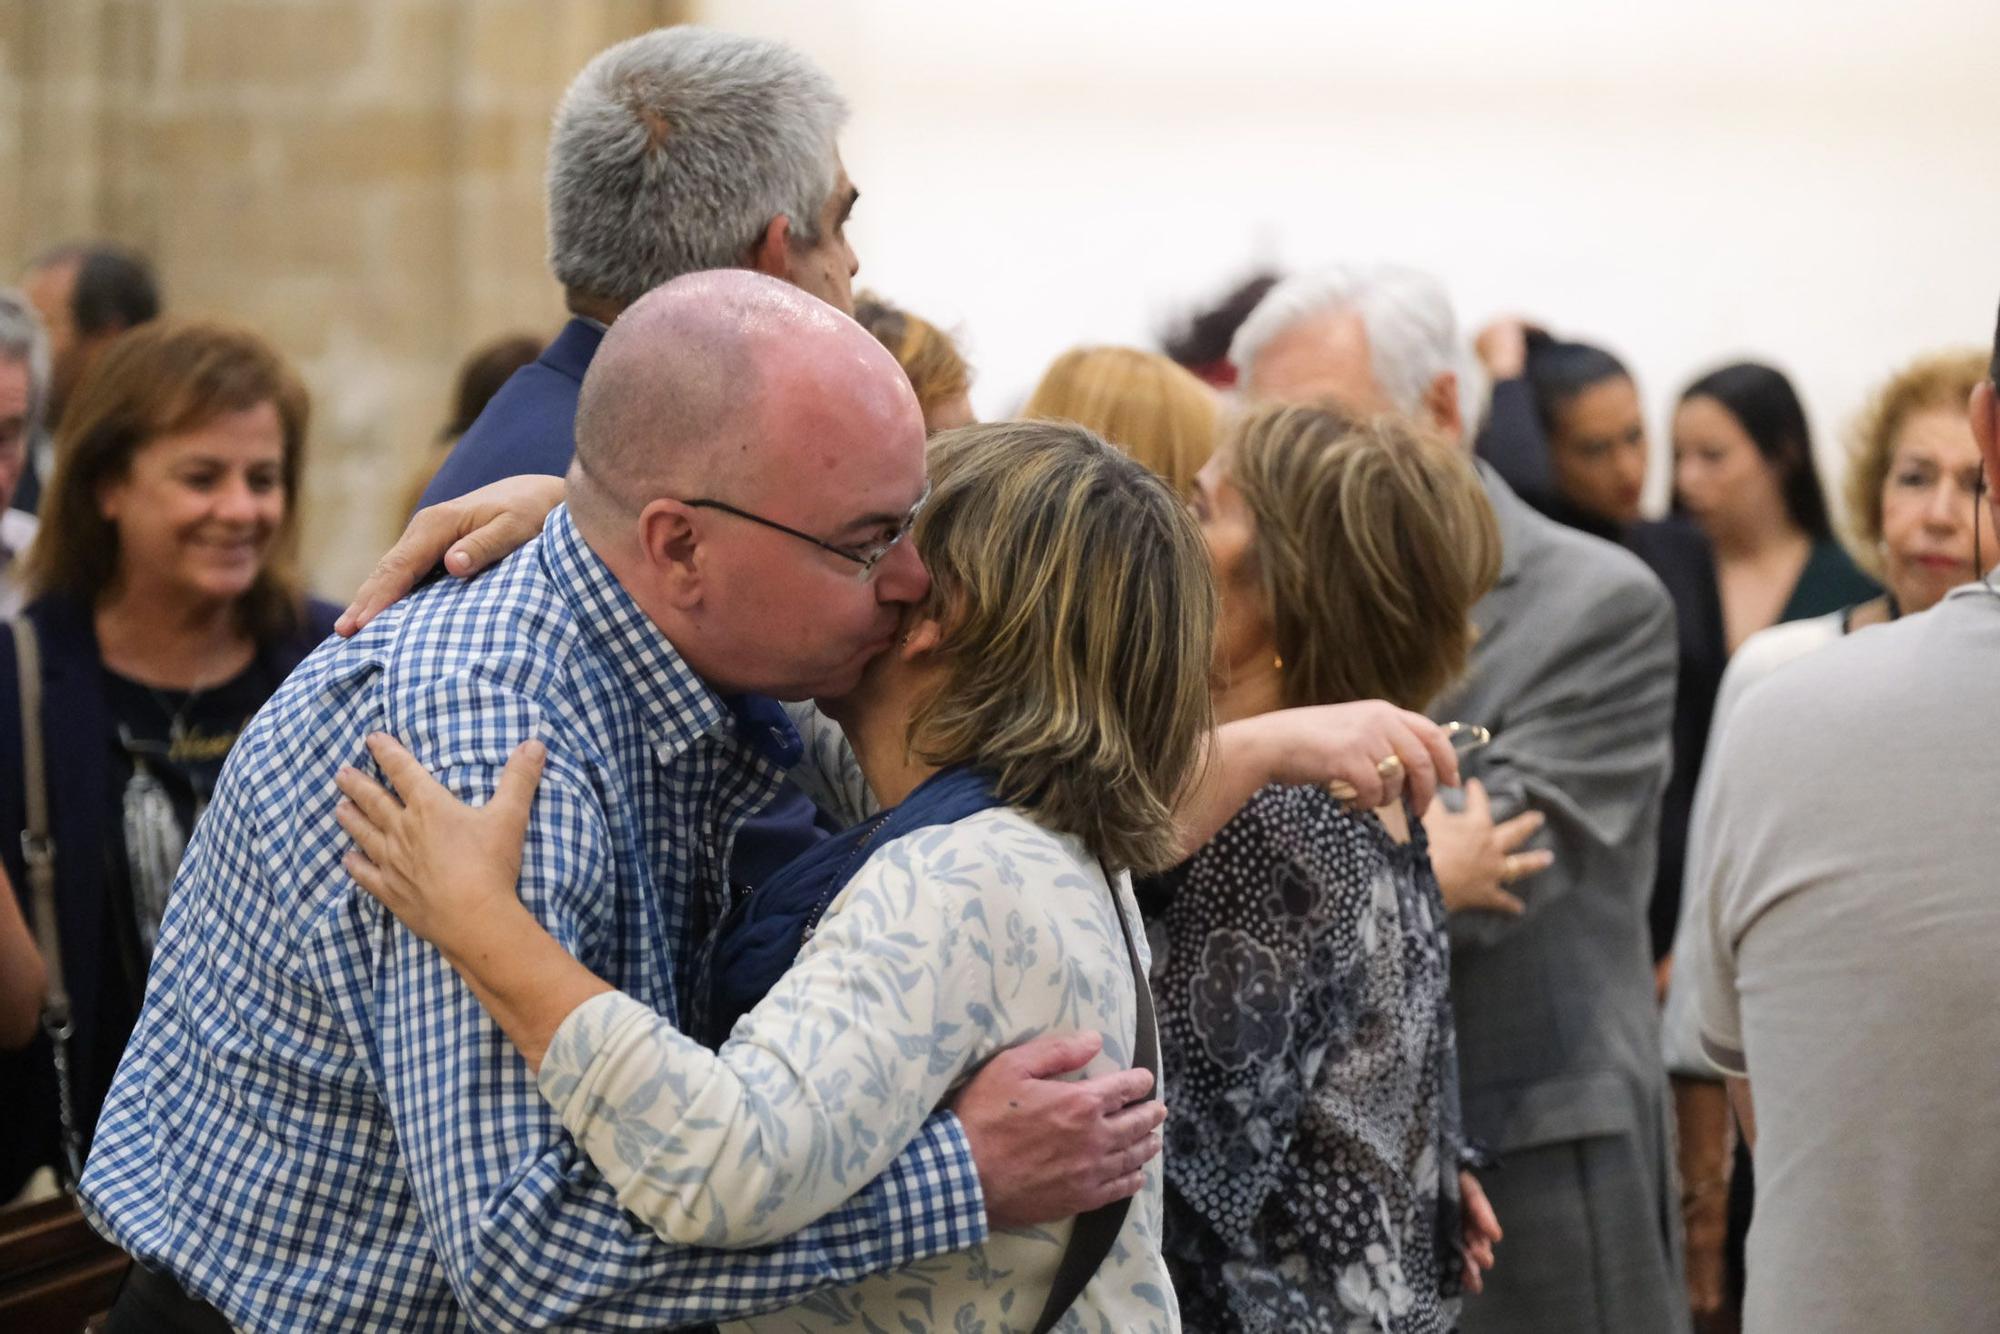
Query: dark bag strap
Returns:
{"type": "Point", "coordinates": [1094, 1233]}
{"type": "Point", "coordinates": [38, 849]}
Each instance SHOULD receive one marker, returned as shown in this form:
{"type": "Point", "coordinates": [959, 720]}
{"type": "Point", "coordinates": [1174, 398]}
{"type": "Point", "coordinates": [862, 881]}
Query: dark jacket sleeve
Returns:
{"type": "Point", "coordinates": [1513, 443]}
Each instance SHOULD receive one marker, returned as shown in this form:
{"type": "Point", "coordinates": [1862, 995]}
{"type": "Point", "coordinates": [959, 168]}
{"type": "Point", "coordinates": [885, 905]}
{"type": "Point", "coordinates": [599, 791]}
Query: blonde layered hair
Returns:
{"type": "Point", "coordinates": [1156, 411]}
{"type": "Point", "coordinates": [1079, 618]}
{"type": "Point", "coordinates": [1938, 380]}
{"type": "Point", "coordinates": [1374, 539]}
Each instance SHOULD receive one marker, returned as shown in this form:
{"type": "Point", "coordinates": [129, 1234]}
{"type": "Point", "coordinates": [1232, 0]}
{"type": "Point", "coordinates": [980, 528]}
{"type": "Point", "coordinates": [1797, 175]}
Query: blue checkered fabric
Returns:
{"type": "Point", "coordinates": [316, 1126]}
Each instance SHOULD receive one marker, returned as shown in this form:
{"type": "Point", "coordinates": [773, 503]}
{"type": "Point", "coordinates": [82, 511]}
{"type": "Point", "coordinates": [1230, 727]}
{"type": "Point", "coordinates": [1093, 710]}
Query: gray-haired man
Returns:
{"type": "Point", "coordinates": [1574, 673]}
{"type": "Point", "coordinates": [680, 150]}
{"type": "Point", "coordinates": [24, 392]}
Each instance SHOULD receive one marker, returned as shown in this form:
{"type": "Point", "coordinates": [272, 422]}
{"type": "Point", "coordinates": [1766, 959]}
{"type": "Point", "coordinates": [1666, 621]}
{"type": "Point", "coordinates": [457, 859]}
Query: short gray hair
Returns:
{"type": "Point", "coordinates": [672, 152]}
{"type": "Point", "coordinates": [1412, 331]}
{"type": "Point", "coordinates": [23, 342]}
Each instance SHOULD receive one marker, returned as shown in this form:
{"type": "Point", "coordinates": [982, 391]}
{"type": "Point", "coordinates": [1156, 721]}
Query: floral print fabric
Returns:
{"type": "Point", "coordinates": [1300, 970]}
{"type": "Point", "coordinates": [949, 945]}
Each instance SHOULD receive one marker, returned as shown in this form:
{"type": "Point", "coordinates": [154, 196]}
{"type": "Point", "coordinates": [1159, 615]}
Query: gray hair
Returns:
{"type": "Point", "coordinates": [23, 342]}
{"type": "Point", "coordinates": [672, 152]}
{"type": "Point", "coordinates": [1412, 332]}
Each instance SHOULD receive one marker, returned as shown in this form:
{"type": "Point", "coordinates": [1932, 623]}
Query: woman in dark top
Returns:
{"type": "Point", "coordinates": [1566, 431]}
{"type": "Point", "coordinates": [1743, 470]}
{"type": "Point", "coordinates": [167, 611]}
{"type": "Point", "coordinates": [1300, 958]}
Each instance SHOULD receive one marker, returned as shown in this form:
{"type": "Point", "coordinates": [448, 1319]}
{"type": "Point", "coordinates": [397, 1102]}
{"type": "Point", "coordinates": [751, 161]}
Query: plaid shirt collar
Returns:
{"type": "Point", "coordinates": [676, 708]}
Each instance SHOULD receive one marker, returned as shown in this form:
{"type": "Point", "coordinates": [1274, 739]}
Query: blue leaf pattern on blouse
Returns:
{"type": "Point", "coordinates": [948, 946]}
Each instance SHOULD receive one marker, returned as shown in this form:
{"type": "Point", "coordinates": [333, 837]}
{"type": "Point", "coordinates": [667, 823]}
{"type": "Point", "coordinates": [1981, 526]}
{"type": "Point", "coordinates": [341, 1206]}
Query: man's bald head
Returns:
{"type": "Point", "coordinates": [737, 389]}
{"type": "Point", "coordinates": [704, 386]}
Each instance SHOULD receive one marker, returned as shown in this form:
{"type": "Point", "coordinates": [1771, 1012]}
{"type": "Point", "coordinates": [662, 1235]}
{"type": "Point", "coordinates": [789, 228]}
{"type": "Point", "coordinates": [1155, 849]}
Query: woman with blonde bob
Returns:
{"type": "Point", "coordinates": [1028, 740]}
{"type": "Point", "coordinates": [1314, 1156]}
{"type": "Point", "coordinates": [1154, 410]}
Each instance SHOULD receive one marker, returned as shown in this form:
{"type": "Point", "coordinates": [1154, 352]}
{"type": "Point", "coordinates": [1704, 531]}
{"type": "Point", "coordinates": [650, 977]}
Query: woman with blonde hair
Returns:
{"type": "Point", "coordinates": [1315, 1152]}
{"type": "Point", "coordinates": [1913, 486]}
{"type": "Point", "coordinates": [927, 354]}
{"type": "Point", "coordinates": [167, 608]}
{"type": "Point", "coordinates": [1154, 410]}
{"type": "Point", "coordinates": [1029, 737]}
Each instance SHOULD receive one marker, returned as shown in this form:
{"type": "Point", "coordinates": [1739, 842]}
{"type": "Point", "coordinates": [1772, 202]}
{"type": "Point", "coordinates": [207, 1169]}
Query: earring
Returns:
{"type": "Point", "coordinates": [1278, 661]}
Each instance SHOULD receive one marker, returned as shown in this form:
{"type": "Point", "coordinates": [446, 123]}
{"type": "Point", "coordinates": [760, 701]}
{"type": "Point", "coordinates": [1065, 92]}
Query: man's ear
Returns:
{"type": "Point", "coordinates": [771, 253]}
{"type": "Point", "coordinates": [1985, 412]}
{"type": "Point", "coordinates": [1441, 403]}
{"type": "Point", "coordinates": [670, 543]}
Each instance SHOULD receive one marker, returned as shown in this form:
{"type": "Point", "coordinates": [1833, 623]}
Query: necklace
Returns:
{"type": "Point", "coordinates": [183, 745]}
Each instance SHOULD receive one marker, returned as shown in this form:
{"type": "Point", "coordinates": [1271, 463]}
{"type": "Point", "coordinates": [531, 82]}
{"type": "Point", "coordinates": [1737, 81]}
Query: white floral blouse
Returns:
{"type": "Point", "coordinates": [949, 945]}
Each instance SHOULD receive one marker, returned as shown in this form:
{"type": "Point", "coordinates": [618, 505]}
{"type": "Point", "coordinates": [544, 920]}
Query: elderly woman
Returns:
{"type": "Point", "coordinates": [166, 609]}
{"type": "Point", "coordinates": [1154, 410]}
{"type": "Point", "coordinates": [1030, 737]}
{"type": "Point", "coordinates": [1913, 489]}
{"type": "Point", "coordinates": [1313, 1161]}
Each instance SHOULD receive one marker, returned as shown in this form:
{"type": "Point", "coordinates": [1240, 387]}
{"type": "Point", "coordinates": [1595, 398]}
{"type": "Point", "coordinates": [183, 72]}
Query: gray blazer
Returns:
{"type": "Point", "coordinates": [1558, 1032]}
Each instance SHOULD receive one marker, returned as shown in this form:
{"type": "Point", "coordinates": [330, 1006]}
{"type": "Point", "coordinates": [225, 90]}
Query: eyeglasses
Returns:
{"type": "Point", "coordinates": [866, 557]}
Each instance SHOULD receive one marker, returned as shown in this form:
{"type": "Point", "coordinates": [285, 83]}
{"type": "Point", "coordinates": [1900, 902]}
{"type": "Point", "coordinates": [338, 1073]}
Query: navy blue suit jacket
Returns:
{"type": "Point", "coordinates": [529, 426]}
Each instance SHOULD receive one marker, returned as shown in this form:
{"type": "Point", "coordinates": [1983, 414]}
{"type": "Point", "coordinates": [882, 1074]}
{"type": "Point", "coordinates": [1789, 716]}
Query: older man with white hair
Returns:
{"type": "Point", "coordinates": [1574, 674]}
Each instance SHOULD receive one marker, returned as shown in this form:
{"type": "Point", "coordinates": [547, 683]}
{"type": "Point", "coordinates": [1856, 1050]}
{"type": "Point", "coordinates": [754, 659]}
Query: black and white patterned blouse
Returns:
{"type": "Point", "coordinates": [1300, 967]}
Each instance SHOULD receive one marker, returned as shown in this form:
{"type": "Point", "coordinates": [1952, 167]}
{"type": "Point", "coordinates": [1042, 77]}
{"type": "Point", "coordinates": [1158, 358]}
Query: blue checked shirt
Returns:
{"type": "Point", "coordinates": [316, 1126]}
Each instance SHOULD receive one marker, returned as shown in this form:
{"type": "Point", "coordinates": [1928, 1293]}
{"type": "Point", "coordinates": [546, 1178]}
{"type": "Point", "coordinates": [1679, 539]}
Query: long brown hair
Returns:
{"type": "Point", "coordinates": [1374, 539]}
{"type": "Point", "coordinates": [1080, 626]}
{"type": "Point", "coordinates": [161, 379]}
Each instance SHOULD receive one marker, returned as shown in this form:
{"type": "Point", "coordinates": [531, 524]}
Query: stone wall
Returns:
{"type": "Point", "coordinates": [359, 179]}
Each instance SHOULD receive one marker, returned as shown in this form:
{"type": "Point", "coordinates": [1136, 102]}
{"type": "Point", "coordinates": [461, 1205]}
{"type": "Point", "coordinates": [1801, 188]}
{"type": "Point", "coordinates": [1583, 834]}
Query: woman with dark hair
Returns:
{"type": "Point", "coordinates": [1913, 490]}
{"type": "Point", "coordinates": [1566, 429]}
{"type": "Point", "coordinates": [1743, 470]}
{"type": "Point", "coordinates": [167, 609]}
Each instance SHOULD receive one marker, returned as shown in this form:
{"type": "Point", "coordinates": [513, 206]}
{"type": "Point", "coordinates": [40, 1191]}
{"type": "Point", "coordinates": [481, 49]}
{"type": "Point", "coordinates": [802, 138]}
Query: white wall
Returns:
{"type": "Point", "coordinates": [1816, 184]}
